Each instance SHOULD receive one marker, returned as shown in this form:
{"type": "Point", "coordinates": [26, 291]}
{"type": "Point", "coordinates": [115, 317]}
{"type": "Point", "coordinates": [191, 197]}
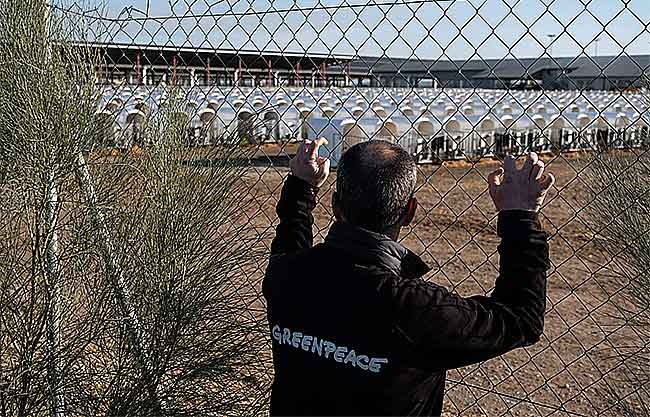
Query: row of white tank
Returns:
{"type": "Point", "coordinates": [405, 116]}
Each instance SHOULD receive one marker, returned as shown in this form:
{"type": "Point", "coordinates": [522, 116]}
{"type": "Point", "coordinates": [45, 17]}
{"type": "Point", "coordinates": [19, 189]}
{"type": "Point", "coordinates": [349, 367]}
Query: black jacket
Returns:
{"type": "Point", "coordinates": [355, 329]}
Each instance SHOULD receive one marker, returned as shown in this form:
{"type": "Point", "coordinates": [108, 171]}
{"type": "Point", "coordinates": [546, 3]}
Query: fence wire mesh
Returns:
{"type": "Point", "coordinates": [459, 84]}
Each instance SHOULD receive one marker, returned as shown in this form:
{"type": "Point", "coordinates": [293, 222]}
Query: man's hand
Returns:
{"type": "Point", "coordinates": [308, 166]}
{"type": "Point", "coordinates": [524, 189]}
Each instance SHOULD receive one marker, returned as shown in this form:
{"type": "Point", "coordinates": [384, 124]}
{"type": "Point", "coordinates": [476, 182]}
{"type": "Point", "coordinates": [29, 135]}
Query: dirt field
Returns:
{"type": "Point", "coordinates": [570, 370]}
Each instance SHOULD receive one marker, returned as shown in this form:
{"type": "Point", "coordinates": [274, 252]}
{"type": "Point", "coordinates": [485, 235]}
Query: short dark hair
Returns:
{"type": "Point", "coordinates": [374, 182]}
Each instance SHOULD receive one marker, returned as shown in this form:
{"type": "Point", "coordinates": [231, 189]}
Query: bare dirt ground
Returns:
{"type": "Point", "coordinates": [570, 370]}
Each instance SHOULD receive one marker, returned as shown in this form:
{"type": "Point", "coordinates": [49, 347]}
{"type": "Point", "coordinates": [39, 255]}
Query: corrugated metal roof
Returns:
{"type": "Point", "coordinates": [618, 67]}
{"type": "Point", "coordinates": [582, 67]}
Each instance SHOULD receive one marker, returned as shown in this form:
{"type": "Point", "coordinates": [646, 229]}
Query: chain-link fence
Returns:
{"type": "Point", "coordinates": [459, 84]}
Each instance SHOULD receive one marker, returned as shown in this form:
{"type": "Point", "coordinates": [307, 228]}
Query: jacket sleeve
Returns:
{"type": "Point", "coordinates": [446, 331]}
{"type": "Point", "coordinates": [294, 232]}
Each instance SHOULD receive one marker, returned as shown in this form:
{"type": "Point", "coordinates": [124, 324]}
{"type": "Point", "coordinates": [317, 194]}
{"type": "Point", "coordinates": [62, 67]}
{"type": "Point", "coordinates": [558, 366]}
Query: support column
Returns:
{"type": "Point", "coordinates": [348, 80]}
{"type": "Point", "coordinates": [174, 59]}
{"type": "Point", "coordinates": [298, 77]}
{"type": "Point", "coordinates": [321, 73]}
{"type": "Point", "coordinates": [138, 69]}
{"type": "Point", "coordinates": [209, 76]}
{"type": "Point", "coordinates": [238, 74]}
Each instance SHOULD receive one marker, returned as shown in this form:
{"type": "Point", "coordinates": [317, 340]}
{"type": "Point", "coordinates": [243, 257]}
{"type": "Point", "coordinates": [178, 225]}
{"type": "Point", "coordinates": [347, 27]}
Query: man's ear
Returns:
{"type": "Point", "coordinates": [338, 215]}
{"type": "Point", "coordinates": [411, 208]}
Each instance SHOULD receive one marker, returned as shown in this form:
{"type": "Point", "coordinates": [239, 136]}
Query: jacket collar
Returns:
{"type": "Point", "coordinates": [377, 249]}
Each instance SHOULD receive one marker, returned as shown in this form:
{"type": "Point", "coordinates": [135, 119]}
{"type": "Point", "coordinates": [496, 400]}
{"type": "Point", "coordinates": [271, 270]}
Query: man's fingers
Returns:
{"type": "Point", "coordinates": [494, 179]}
{"type": "Point", "coordinates": [537, 171]}
{"type": "Point", "coordinates": [306, 146]}
{"type": "Point", "coordinates": [313, 148]}
{"type": "Point", "coordinates": [509, 165]}
{"type": "Point", "coordinates": [323, 171]}
{"type": "Point", "coordinates": [531, 161]}
{"type": "Point", "coordinates": [323, 166]}
{"type": "Point", "coordinates": [302, 150]}
{"type": "Point", "coordinates": [547, 181]}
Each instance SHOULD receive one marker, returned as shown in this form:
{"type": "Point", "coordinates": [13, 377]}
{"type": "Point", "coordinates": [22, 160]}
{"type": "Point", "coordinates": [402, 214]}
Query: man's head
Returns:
{"type": "Point", "coordinates": [375, 182]}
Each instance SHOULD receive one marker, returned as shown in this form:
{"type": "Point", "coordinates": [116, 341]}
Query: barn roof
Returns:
{"type": "Point", "coordinates": [622, 66]}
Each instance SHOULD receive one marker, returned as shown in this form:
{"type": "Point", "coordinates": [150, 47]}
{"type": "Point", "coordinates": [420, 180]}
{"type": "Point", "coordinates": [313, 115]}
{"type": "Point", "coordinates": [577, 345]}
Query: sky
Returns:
{"type": "Point", "coordinates": [460, 29]}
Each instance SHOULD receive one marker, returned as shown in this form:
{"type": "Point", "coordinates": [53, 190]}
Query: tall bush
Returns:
{"type": "Point", "coordinates": [621, 213]}
{"type": "Point", "coordinates": [124, 277]}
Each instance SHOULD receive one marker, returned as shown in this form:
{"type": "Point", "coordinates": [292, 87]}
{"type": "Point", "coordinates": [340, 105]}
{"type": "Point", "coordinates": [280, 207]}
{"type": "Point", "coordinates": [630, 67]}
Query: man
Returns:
{"type": "Point", "coordinates": [355, 328]}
